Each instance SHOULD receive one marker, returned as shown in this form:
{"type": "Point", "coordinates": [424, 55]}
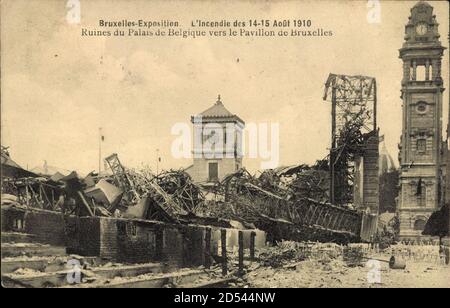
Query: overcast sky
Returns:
{"type": "Point", "coordinates": [58, 88]}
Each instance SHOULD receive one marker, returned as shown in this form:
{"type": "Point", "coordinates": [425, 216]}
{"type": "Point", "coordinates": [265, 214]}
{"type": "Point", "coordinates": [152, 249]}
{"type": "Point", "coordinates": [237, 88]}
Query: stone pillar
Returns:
{"type": "Point", "coordinates": [406, 71]}
{"type": "Point", "coordinates": [436, 69]}
{"type": "Point", "coordinates": [447, 151]}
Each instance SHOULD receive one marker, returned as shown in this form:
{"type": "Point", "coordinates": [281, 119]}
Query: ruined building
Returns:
{"type": "Point", "coordinates": [421, 145]}
{"type": "Point", "coordinates": [354, 154]}
{"type": "Point", "coordinates": [217, 144]}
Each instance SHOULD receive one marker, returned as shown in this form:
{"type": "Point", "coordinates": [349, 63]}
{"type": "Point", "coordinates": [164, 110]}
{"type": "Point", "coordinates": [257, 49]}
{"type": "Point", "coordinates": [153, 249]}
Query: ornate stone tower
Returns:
{"type": "Point", "coordinates": [217, 144]}
{"type": "Point", "coordinates": [447, 152]}
{"type": "Point", "coordinates": [421, 142]}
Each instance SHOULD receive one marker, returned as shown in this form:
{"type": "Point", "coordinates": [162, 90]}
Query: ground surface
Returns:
{"type": "Point", "coordinates": [336, 274]}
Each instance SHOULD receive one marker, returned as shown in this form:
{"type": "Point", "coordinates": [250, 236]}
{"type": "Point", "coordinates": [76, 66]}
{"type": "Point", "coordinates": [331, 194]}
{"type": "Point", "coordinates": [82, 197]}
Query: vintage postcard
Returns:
{"type": "Point", "coordinates": [225, 144]}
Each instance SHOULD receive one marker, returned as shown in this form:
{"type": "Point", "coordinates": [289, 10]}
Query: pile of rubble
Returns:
{"type": "Point", "coordinates": [289, 203]}
{"type": "Point", "coordinates": [289, 253]}
{"type": "Point", "coordinates": [165, 195]}
{"type": "Point", "coordinates": [271, 195]}
{"type": "Point", "coordinates": [282, 202]}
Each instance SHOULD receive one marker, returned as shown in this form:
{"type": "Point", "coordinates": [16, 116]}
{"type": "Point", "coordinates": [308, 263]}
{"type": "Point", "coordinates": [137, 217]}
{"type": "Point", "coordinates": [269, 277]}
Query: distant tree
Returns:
{"type": "Point", "coordinates": [389, 189]}
{"type": "Point", "coordinates": [395, 225]}
{"type": "Point", "coordinates": [438, 223]}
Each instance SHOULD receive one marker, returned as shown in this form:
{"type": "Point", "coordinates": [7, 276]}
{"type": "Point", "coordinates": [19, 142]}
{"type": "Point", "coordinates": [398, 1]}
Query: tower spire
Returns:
{"type": "Point", "coordinates": [218, 102]}
{"type": "Point", "coordinates": [421, 141]}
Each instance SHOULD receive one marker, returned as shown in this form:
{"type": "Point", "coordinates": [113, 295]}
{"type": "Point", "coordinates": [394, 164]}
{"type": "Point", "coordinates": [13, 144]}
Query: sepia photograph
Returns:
{"type": "Point", "coordinates": [244, 147]}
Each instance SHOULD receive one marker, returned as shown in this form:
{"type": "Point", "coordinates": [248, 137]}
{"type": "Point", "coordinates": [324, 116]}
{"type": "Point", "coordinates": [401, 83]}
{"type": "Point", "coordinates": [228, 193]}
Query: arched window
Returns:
{"type": "Point", "coordinates": [421, 145]}
{"type": "Point", "coordinates": [421, 73]}
{"type": "Point", "coordinates": [421, 194]}
{"type": "Point", "coordinates": [419, 224]}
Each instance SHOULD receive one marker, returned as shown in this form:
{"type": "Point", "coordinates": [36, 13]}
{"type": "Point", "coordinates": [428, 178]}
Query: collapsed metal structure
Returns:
{"type": "Point", "coordinates": [29, 188]}
{"type": "Point", "coordinates": [320, 203]}
{"type": "Point", "coordinates": [34, 192]}
{"type": "Point", "coordinates": [274, 203]}
{"type": "Point", "coordinates": [353, 134]}
{"type": "Point", "coordinates": [121, 178]}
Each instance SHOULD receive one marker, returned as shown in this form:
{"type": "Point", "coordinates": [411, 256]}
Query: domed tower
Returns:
{"type": "Point", "coordinates": [385, 160]}
{"type": "Point", "coordinates": [217, 146]}
{"type": "Point", "coordinates": [421, 141]}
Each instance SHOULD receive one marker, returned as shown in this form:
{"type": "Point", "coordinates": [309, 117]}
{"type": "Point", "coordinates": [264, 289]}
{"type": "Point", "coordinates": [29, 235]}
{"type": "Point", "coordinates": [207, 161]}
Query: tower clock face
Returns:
{"type": "Point", "coordinates": [422, 108]}
{"type": "Point", "coordinates": [421, 28]}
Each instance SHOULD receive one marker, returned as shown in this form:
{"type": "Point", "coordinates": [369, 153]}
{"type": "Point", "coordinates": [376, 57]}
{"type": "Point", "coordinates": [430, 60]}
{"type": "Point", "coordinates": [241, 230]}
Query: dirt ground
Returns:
{"type": "Point", "coordinates": [336, 274]}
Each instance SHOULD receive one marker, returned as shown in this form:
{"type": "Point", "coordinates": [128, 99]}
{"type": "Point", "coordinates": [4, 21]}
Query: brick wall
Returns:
{"type": "Point", "coordinates": [120, 240]}
{"type": "Point", "coordinates": [371, 186]}
{"type": "Point", "coordinates": [47, 226]}
{"type": "Point", "coordinates": [10, 216]}
{"type": "Point", "coordinates": [172, 248]}
{"type": "Point", "coordinates": [193, 245]}
{"type": "Point", "coordinates": [83, 236]}
{"type": "Point", "coordinates": [108, 235]}
{"type": "Point", "coordinates": [136, 241]}
{"type": "Point", "coordinates": [139, 241]}
{"type": "Point", "coordinates": [366, 190]}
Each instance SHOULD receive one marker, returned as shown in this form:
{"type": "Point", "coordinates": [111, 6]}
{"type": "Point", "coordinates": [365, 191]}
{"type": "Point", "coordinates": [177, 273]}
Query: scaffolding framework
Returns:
{"type": "Point", "coordinates": [353, 113]}
{"type": "Point", "coordinates": [121, 178]}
